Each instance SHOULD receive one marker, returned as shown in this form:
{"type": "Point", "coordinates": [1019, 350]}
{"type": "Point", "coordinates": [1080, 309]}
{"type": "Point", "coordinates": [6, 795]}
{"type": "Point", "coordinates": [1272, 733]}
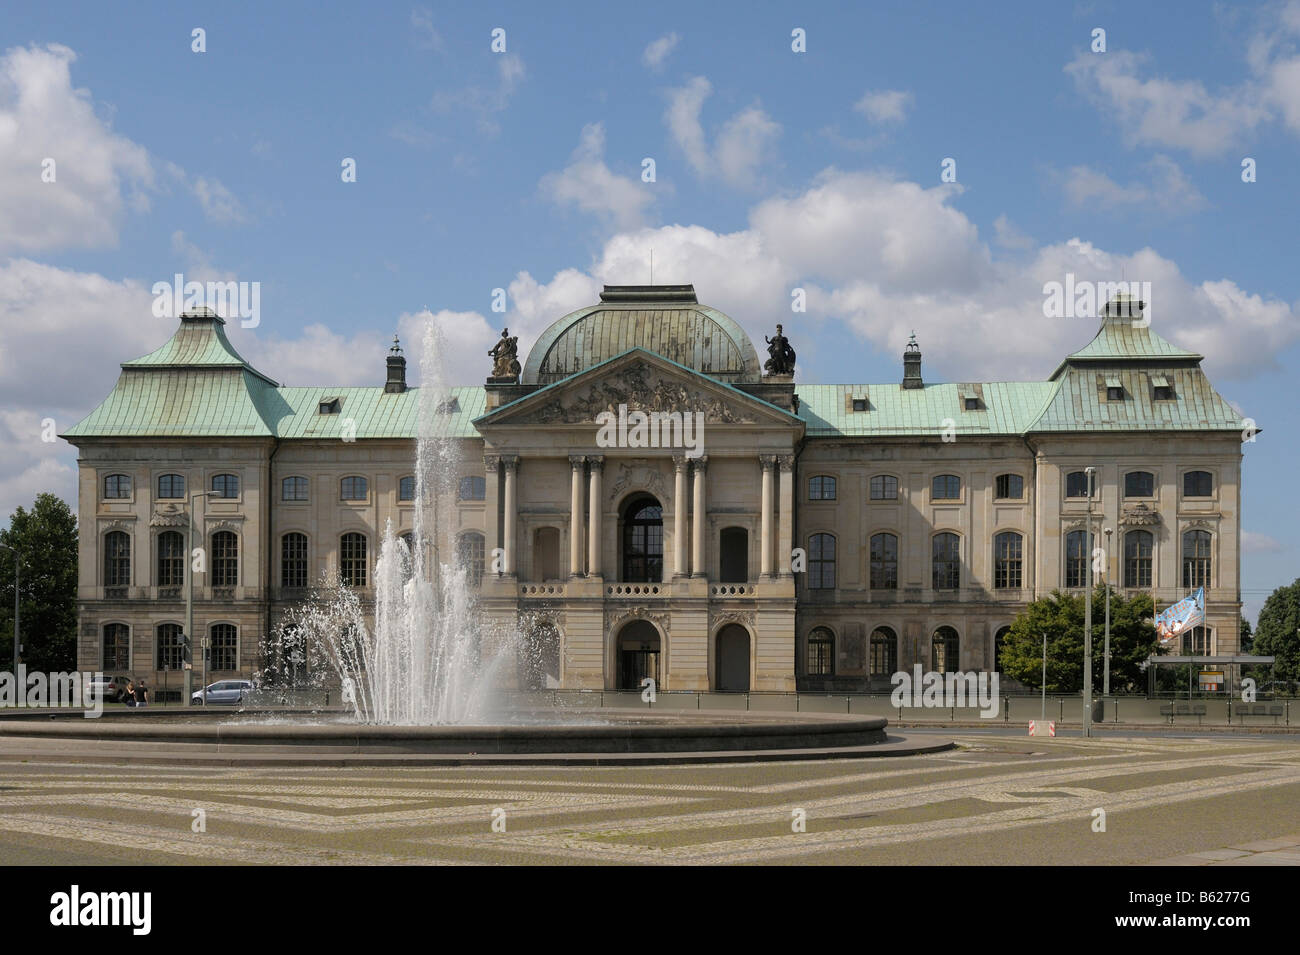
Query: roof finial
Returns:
{"type": "Point", "coordinates": [397, 347]}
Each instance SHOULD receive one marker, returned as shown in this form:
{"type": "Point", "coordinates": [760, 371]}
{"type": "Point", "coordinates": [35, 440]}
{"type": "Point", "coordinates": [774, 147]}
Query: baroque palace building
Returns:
{"type": "Point", "coordinates": [821, 537]}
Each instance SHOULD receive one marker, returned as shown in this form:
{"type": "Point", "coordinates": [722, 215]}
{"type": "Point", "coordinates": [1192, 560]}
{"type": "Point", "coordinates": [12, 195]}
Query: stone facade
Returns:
{"type": "Point", "coordinates": [744, 563]}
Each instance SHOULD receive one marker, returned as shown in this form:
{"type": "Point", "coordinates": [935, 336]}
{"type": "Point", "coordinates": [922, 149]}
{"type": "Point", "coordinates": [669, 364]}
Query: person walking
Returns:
{"type": "Point", "coordinates": [142, 694]}
{"type": "Point", "coordinates": [128, 695]}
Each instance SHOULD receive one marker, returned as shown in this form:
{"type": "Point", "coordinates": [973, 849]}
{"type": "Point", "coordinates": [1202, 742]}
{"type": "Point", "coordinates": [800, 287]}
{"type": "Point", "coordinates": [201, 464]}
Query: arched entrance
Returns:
{"type": "Point", "coordinates": [733, 659]}
{"type": "Point", "coordinates": [643, 541]}
{"type": "Point", "coordinates": [638, 652]}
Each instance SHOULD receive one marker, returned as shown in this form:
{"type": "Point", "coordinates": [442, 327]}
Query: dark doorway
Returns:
{"type": "Point", "coordinates": [733, 659]}
{"type": "Point", "coordinates": [643, 541]}
{"type": "Point", "coordinates": [734, 555]}
{"type": "Point", "coordinates": [638, 655]}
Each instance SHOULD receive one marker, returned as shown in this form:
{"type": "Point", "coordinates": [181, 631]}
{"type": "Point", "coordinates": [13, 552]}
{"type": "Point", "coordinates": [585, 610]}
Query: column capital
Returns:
{"type": "Point", "coordinates": [768, 461]}
{"type": "Point", "coordinates": [701, 463]}
{"type": "Point", "coordinates": [680, 462]}
{"type": "Point", "coordinates": [786, 461]}
{"type": "Point", "coordinates": [511, 461]}
{"type": "Point", "coordinates": [596, 461]}
{"type": "Point", "coordinates": [576, 461]}
{"type": "Point", "coordinates": [490, 461]}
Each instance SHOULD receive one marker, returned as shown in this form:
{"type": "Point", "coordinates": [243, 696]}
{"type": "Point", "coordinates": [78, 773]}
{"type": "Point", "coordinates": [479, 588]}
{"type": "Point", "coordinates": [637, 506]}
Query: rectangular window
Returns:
{"type": "Point", "coordinates": [821, 488]}
{"type": "Point", "coordinates": [473, 488]}
{"type": "Point", "coordinates": [1139, 484]}
{"type": "Point", "coordinates": [859, 404]}
{"type": "Point", "coordinates": [821, 562]}
{"type": "Point", "coordinates": [117, 647]}
{"type": "Point", "coordinates": [225, 485]}
{"type": "Point", "coordinates": [171, 486]}
{"type": "Point", "coordinates": [406, 489]}
{"type": "Point", "coordinates": [1198, 484]}
{"type": "Point", "coordinates": [354, 489]}
{"type": "Point", "coordinates": [884, 487]}
{"type": "Point", "coordinates": [171, 647]}
{"type": "Point", "coordinates": [224, 654]}
{"type": "Point", "coordinates": [293, 489]}
{"type": "Point", "coordinates": [820, 657]}
{"type": "Point", "coordinates": [293, 560]}
{"type": "Point", "coordinates": [1010, 487]}
{"type": "Point", "coordinates": [225, 559]}
{"type": "Point", "coordinates": [1007, 561]}
{"type": "Point", "coordinates": [884, 562]}
{"type": "Point", "coordinates": [945, 487]}
{"type": "Point", "coordinates": [117, 487]}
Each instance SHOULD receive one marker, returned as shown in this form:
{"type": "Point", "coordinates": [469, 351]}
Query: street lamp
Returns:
{"type": "Point", "coordinates": [1105, 686]}
{"type": "Point", "coordinates": [187, 663]}
{"type": "Point", "coordinates": [17, 581]}
{"type": "Point", "coordinates": [1087, 617]}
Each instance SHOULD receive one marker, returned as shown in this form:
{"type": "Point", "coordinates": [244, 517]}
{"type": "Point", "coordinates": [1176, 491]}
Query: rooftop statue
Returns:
{"type": "Point", "coordinates": [505, 356]}
{"type": "Point", "coordinates": [782, 360]}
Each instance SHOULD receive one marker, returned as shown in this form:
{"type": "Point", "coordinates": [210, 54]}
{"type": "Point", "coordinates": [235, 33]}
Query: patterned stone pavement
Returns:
{"type": "Point", "coordinates": [993, 801]}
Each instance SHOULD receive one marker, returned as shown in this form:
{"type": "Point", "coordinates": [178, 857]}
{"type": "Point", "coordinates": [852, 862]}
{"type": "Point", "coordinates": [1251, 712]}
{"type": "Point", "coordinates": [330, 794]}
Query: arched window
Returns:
{"type": "Point", "coordinates": [473, 488]}
{"type": "Point", "coordinates": [406, 488]}
{"type": "Point", "coordinates": [171, 647]}
{"type": "Point", "coordinates": [884, 487]}
{"type": "Point", "coordinates": [1008, 554]}
{"type": "Point", "coordinates": [733, 555]}
{"type": "Point", "coordinates": [171, 559]}
{"type": "Point", "coordinates": [171, 486]}
{"type": "Point", "coordinates": [470, 552]}
{"type": "Point", "coordinates": [884, 652]}
{"type": "Point", "coordinates": [946, 570]}
{"type": "Point", "coordinates": [821, 652]}
{"type": "Point", "coordinates": [1139, 484]}
{"type": "Point", "coordinates": [643, 541]}
{"type": "Point", "coordinates": [293, 489]}
{"type": "Point", "coordinates": [944, 656]}
{"type": "Point", "coordinates": [1198, 484]}
{"type": "Point", "coordinates": [117, 647]}
{"type": "Point", "coordinates": [1138, 547]}
{"type": "Point", "coordinates": [225, 485]}
{"type": "Point", "coordinates": [821, 562]}
{"type": "Point", "coordinates": [1197, 641]}
{"type": "Point", "coordinates": [945, 487]}
{"type": "Point", "coordinates": [1009, 487]}
{"type": "Point", "coordinates": [999, 639]}
{"type": "Point", "coordinates": [225, 559]}
{"type": "Point", "coordinates": [821, 488]}
{"type": "Point", "coordinates": [884, 562]}
{"type": "Point", "coordinates": [293, 560]}
{"type": "Point", "coordinates": [1076, 484]}
{"type": "Point", "coordinates": [1076, 559]}
{"type": "Point", "coordinates": [224, 654]}
{"type": "Point", "coordinates": [352, 559]}
{"type": "Point", "coordinates": [354, 489]}
{"type": "Point", "coordinates": [117, 559]}
{"type": "Point", "coordinates": [1196, 559]}
{"type": "Point", "coordinates": [117, 487]}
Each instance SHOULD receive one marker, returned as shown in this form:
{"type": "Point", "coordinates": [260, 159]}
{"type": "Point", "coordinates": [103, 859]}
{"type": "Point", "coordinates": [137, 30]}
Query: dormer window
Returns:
{"type": "Point", "coordinates": [971, 404]}
{"type": "Point", "coordinates": [859, 404]}
{"type": "Point", "coordinates": [1161, 390]}
{"type": "Point", "coordinates": [331, 406]}
{"type": "Point", "coordinates": [970, 399]}
{"type": "Point", "coordinates": [1114, 390]}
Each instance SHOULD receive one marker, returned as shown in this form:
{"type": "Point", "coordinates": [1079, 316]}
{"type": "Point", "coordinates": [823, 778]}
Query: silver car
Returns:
{"type": "Point", "coordinates": [224, 691]}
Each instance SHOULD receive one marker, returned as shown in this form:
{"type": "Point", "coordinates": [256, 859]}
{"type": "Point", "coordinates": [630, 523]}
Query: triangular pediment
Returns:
{"type": "Point", "coordinates": [639, 380]}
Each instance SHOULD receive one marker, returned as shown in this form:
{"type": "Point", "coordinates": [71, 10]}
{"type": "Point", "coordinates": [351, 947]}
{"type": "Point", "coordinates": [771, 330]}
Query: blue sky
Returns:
{"type": "Point", "coordinates": [774, 170]}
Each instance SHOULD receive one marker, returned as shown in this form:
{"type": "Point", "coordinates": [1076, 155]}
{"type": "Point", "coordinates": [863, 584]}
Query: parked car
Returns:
{"type": "Point", "coordinates": [224, 691]}
{"type": "Point", "coordinates": [108, 687]}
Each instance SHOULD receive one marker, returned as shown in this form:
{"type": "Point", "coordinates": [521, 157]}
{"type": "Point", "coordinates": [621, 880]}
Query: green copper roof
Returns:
{"type": "Point", "coordinates": [199, 342]}
{"type": "Point", "coordinates": [1006, 407]}
{"type": "Point", "coordinates": [375, 414]}
{"type": "Point", "coordinates": [1120, 339]}
{"type": "Point", "coordinates": [1081, 403]}
{"type": "Point", "coordinates": [188, 403]}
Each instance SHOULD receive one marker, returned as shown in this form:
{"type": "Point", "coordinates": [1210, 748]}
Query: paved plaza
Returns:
{"type": "Point", "coordinates": [993, 800]}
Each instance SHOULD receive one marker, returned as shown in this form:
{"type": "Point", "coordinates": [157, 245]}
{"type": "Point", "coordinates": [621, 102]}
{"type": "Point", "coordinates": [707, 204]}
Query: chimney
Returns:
{"type": "Point", "coordinates": [912, 365]}
{"type": "Point", "coordinates": [396, 383]}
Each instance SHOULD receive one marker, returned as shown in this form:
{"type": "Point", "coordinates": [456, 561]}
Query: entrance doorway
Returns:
{"type": "Point", "coordinates": [638, 655]}
{"type": "Point", "coordinates": [733, 659]}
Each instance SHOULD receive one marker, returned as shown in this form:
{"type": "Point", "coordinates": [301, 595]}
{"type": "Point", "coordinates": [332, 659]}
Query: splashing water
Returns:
{"type": "Point", "coordinates": [427, 660]}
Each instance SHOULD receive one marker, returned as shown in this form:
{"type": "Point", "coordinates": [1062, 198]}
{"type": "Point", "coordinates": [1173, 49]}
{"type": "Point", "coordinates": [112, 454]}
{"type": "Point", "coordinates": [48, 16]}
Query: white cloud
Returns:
{"type": "Point", "coordinates": [743, 145]}
{"type": "Point", "coordinates": [884, 106]}
{"type": "Point", "coordinates": [426, 37]}
{"type": "Point", "coordinates": [1253, 542]}
{"type": "Point", "coordinates": [482, 101]}
{"type": "Point", "coordinates": [1008, 236]}
{"type": "Point", "coordinates": [98, 174]}
{"type": "Point", "coordinates": [219, 203]}
{"type": "Point", "coordinates": [657, 51]}
{"type": "Point", "coordinates": [1168, 189]}
{"type": "Point", "coordinates": [590, 184]}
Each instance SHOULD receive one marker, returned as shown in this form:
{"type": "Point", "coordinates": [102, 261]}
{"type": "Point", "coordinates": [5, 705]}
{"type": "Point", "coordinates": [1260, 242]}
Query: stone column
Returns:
{"type": "Point", "coordinates": [491, 501]}
{"type": "Point", "coordinates": [698, 532]}
{"type": "Point", "coordinates": [576, 462]}
{"type": "Point", "coordinates": [768, 463]}
{"type": "Point", "coordinates": [595, 462]}
{"type": "Point", "coordinates": [785, 520]}
{"type": "Point", "coordinates": [680, 507]}
{"type": "Point", "coordinates": [511, 462]}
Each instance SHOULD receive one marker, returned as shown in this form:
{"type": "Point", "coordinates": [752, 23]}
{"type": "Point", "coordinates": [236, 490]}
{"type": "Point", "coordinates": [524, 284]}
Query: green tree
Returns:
{"type": "Point", "coordinates": [1061, 617]}
{"type": "Point", "coordinates": [1247, 635]}
{"type": "Point", "coordinates": [1275, 633]}
{"type": "Point", "coordinates": [46, 541]}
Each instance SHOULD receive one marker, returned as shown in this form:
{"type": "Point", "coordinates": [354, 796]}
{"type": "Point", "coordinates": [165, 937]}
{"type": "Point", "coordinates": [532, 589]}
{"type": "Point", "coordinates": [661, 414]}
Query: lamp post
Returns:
{"type": "Point", "coordinates": [1087, 619]}
{"type": "Point", "coordinates": [1105, 685]}
{"type": "Point", "coordinates": [17, 581]}
{"type": "Point", "coordinates": [187, 663]}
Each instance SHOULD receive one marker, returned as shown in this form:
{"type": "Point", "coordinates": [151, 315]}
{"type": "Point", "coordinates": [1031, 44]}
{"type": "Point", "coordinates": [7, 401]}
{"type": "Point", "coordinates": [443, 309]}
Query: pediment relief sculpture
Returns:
{"type": "Point", "coordinates": [638, 388]}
